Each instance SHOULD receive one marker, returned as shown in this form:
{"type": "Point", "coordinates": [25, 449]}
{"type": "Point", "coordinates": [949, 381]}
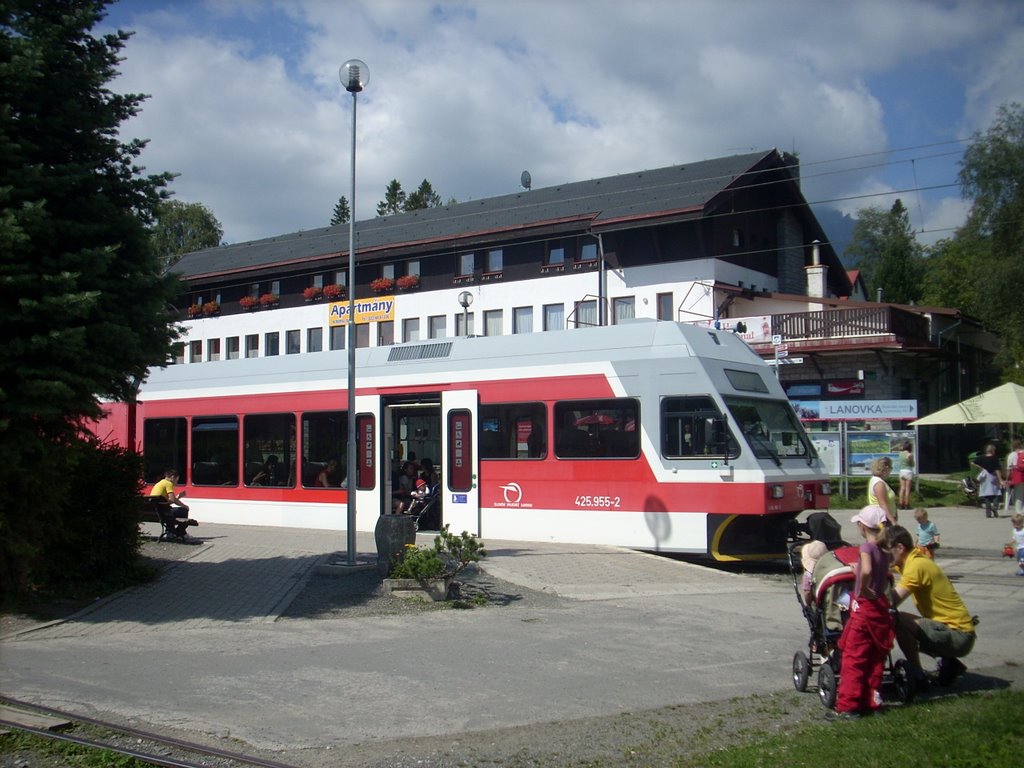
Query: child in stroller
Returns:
{"type": "Point", "coordinates": [823, 578]}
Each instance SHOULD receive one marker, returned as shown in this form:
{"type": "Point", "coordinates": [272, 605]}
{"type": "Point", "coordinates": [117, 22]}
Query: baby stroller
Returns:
{"type": "Point", "coordinates": [825, 606]}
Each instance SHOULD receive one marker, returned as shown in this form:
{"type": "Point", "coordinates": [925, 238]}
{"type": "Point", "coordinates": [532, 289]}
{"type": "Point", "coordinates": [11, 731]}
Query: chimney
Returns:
{"type": "Point", "coordinates": [817, 274]}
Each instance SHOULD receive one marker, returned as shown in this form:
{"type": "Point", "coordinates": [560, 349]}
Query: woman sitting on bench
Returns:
{"type": "Point", "coordinates": [178, 520]}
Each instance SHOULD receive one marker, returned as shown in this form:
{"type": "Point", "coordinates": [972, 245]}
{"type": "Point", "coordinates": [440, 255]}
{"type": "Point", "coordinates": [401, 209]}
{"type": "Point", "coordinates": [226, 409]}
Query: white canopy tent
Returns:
{"type": "Point", "coordinates": [1002, 405]}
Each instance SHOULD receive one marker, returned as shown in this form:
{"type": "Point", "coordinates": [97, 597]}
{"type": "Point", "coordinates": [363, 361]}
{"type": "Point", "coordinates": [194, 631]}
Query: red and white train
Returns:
{"type": "Point", "coordinates": [652, 435]}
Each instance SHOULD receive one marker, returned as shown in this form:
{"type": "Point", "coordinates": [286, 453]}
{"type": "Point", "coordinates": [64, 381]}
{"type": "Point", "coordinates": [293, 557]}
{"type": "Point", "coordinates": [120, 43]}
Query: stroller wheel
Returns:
{"type": "Point", "coordinates": [801, 671]}
{"type": "Point", "coordinates": [827, 686]}
{"type": "Point", "coordinates": [906, 686]}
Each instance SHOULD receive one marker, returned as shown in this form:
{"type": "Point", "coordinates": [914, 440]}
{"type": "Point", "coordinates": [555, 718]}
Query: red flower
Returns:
{"type": "Point", "coordinates": [313, 292]}
{"type": "Point", "coordinates": [382, 284]}
{"type": "Point", "coordinates": [333, 291]}
{"type": "Point", "coordinates": [405, 282]}
{"type": "Point", "coordinates": [248, 302]}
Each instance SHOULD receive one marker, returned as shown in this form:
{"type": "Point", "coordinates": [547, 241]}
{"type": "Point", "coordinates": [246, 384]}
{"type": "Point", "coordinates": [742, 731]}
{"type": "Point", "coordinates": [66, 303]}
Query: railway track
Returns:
{"type": "Point", "coordinates": [145, 746]}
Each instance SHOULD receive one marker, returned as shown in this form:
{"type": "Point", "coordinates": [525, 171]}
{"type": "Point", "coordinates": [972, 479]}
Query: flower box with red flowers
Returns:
{"type": "Point", "coordinates": [269, 300]}
{"type": "Point", "coordinates": [211, 308]}
{"type": "Point", "coordinates": [312, 293]}
{"type": "Point", "coordinates": [382, 284]}
{"type": "Point", "coordinates": [333, 292]}
{"type": "Point", "coordinates": [248, 302]}
{"type": "Point", "coordinates": [408, 282]}
{"type": "Point", "coordinates": [195, 310]}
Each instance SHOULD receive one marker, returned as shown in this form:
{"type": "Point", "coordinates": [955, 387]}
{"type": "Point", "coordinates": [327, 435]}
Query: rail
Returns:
{"type": "Point", "coordinates": [855, 321]}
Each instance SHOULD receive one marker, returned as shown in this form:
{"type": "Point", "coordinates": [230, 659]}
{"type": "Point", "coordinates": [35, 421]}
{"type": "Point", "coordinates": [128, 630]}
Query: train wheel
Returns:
{"type": "Point", "coordinates": [906, 686]}
{"type": "Point", "coordinates": [827, 686]}
{"type": "Point", "coordinates": [801, 671]}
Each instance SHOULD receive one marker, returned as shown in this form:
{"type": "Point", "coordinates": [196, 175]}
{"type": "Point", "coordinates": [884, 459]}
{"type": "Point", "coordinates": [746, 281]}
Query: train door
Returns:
{"type": "Point", "coordinates": [411, 431]}
{"type": "Point", "coordinates": [459, 461]}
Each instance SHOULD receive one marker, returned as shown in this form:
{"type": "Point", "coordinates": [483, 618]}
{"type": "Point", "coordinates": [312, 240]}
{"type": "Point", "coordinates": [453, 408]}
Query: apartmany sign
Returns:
{"type": "Point", "coordinates": [380, 309]}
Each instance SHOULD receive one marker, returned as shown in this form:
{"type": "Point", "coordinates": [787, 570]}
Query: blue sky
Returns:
{"type": "Point", "coordinates": [245, 102]}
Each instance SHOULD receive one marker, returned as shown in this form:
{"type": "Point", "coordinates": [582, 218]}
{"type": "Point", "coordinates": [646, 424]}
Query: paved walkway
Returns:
{"type": "Point", "coordinates": [200, 649]}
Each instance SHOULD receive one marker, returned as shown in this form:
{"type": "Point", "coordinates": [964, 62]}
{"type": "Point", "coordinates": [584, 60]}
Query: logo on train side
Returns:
{"type": "Point", "coordinates": [513, 493]}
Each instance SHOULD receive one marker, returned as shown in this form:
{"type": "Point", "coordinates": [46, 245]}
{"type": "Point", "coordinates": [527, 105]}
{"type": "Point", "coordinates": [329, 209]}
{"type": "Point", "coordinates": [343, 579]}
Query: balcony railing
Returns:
{"type": "Point", "coordinates": [906, 327]}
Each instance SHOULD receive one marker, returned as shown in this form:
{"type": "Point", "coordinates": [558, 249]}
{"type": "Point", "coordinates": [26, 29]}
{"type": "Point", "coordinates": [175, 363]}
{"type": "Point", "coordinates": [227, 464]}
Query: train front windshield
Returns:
{"type": "Point", "coordinates": [770, 428]}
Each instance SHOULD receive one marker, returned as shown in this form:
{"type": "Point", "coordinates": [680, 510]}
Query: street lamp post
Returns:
{"type": "Point", "coordinates": [354, 76]}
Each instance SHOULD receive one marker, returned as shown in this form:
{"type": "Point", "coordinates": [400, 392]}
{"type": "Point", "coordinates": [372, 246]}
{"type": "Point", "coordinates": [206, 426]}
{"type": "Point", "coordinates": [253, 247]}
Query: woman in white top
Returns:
{"type": "Point", "coordinates": [880, 493]}
{"type": "Point", "coordinates": [906, 474]}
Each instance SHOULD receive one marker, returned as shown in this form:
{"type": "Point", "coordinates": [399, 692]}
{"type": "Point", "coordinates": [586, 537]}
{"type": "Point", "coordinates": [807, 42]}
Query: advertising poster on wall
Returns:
{"type": "Point", "coordinates": [864, 447]}
{"type": "Point", "coordinates": [829, 447]}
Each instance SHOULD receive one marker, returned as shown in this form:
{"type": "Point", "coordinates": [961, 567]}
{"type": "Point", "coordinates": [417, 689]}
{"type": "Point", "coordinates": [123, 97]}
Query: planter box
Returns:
{"type": "Point", "coordinates": [434, 590]}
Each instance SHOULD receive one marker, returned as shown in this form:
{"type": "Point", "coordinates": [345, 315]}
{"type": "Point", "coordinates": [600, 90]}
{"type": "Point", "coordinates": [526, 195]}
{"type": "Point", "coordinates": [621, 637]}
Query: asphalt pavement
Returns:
{"type": "Point", "coordinates": [203, 649]}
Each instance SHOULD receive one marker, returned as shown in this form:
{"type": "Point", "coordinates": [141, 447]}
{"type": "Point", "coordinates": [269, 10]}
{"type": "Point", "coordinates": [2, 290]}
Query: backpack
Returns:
{"type": "Point", "coordinates": [1017, 470]}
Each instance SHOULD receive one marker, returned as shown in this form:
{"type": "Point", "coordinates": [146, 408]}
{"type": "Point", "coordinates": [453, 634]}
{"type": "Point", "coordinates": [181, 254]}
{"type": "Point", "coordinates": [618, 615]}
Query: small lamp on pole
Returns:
{"type": "Point", "coordinates": [354, 75]}
{"type": "Point", "coordinates": [465, 299]}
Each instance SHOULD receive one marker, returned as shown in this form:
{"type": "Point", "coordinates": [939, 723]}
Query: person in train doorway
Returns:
{"type": "Point", "coordinates": [945, 629]}
{"type": "Point", "coordinates": [165, 490]}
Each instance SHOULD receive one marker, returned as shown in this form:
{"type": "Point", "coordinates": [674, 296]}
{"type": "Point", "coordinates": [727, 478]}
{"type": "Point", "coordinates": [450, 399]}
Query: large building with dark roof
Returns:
{"type": "Point", "coordinates": [729, 240]}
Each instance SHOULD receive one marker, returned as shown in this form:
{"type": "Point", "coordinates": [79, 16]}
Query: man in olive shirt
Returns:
{"type": "Point", "coordinates": [945, 628]}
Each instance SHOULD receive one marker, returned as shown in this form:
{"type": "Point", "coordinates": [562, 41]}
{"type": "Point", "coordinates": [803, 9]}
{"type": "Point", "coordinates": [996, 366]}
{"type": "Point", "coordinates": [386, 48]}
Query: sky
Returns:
{"type": "Point", "coordinates": [879, 99]}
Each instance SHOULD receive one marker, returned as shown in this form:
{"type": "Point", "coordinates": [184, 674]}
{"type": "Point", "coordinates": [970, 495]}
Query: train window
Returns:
{"type": "Point", "coordinates": [694, 426]}
{"type": "Point", "coordinates": [164, 445]}
{"type": "Point", "coordinates": [215, 450]}
{"type": "Point", "coordinates": [770, 427]}
{"type": "Point", "coordinates": [269, 445]}
{"type": "Point", "coordinates": [324, 444]}
{"type": "Point", "coordinates": [597, 429]}
{"type": "Point", "coordinates": [746, 381]}
{"type": "Point", "coordinates": [513, 431]}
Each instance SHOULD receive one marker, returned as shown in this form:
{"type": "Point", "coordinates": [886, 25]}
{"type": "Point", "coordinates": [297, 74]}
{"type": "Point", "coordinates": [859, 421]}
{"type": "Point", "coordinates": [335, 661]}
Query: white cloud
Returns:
{"type": "Point", "coordinates": [469, 94]}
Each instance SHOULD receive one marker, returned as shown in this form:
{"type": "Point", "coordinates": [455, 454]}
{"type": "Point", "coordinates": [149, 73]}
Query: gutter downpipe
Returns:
{"type": "Point", "coordinates": [602, 318]}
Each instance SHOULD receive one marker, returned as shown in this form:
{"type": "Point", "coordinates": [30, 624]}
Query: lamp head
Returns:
{"type": "Point", "coordinates": [465, 299]}
{"type": "Point", "coordinates": [354, 75]}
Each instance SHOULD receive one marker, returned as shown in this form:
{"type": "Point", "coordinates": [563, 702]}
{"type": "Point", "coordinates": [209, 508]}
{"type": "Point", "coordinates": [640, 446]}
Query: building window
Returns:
{"type": "Point", "coordinates": [292, 342]}
{"type": "Point", "coordinates": [494, 261]}
{"type": "Point", "coordinates": [665, 306]}
{"type": "Point", "coordinates": [437, 327]}
{"type": "Point", "coordinates": [213, 349]}
{"type": "Point", "coordinates": [254, 290]}
{"type": "Point", "coordinates": [623, 308]}
{"type": "Point", "coordinates": [338, 333]}
{"type": "Point", "coordinates": [461, 320]}
{"type": "Point", "coordinates": [412, 267]}
{"type": "Point", "coordinates": [275, 287]}
{"type": "Point", "coordinates": [362, 335]}
{"type": "Point", "coordinates": [493, 322]}
{"type": "Point", "coordinates": [554, 317]}
{"type": "Point", "coordinates": [385, 333]}
{"type": "Point", "coordinates": [252, 345]}
{"type": "Point", "coordinates": [588, 252]}
{"type": "Point", "coordinates": [737, 238]}
{"type": "Point", "coordinates": [467, 264]}
{"type": "Point", "coordinates": [195, 352]}
{"type": "Point", "coordinates": [318, 281]}
{"type": "Point", "coordinates": [585, 314]}
{"type": "Point", "coordinates": [388, 271]}
{"type": "Point", "coordinates": [232, 348]}
{"type": "Point", "coordinates": [272, 344]}
{"type": "Point", "coordinates": [522, 320]}
{"type": "Point", "coordinates": [556, 254]}
{"type": "Point", "coordinates": [178, 353]}
{"type": "Point", "coordinates": [411, 329]}
{"type": "Point", "coordinates": [315, 339]}
{"type": "Point", "coordinates": [341, 278]}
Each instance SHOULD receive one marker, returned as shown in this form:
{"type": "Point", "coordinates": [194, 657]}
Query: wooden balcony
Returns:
{"type": "Point", "coordinates": [854, 327]}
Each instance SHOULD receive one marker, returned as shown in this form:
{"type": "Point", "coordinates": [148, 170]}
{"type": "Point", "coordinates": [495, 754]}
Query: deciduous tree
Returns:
{"type": "Point", "coordinates": [182, 228]}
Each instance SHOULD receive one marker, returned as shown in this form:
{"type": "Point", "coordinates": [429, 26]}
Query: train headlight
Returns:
{"type": "Point", "coordinates": [776, 491]}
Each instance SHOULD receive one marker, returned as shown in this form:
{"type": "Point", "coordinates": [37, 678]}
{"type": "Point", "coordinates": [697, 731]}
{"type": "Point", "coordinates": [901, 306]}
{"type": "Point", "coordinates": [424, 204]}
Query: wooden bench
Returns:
{"type": "Point", "coordinates": [153, 509]}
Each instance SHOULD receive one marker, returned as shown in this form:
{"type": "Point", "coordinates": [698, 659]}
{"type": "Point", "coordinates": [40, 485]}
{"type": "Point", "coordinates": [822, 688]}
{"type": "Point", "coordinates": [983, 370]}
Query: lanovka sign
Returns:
{"type": "Point", "coordinates": [377, 310]}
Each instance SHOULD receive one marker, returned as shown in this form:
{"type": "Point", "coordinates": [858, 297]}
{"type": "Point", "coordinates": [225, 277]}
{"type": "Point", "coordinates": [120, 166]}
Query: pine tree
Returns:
{"type": "Point", "coordinates": [341, 213]}
{"type": "Point", "coordinates": [394, 199]}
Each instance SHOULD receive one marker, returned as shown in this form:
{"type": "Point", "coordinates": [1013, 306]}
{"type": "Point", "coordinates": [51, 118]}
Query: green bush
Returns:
{"type": "Point", "coordinates": [82, 527]}
{"type": "Point", "coordinates": [446, 559]}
